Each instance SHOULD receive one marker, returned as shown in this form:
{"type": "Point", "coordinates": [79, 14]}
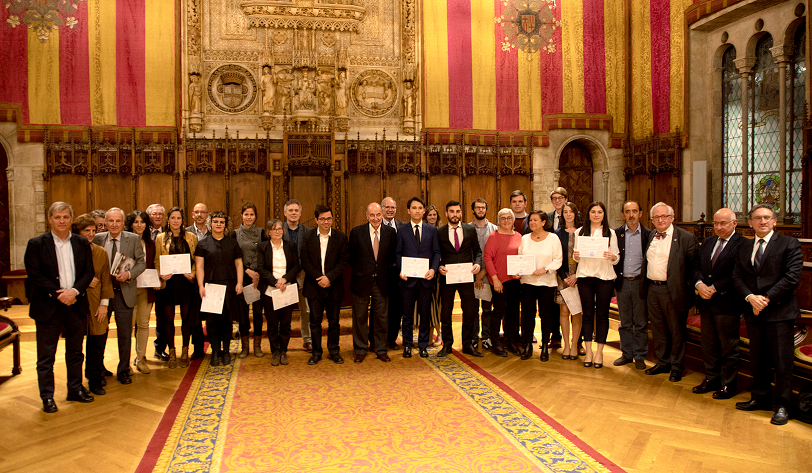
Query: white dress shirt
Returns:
{"type": "Point", "coordinates": [766, 239]}
{"type": "Point", "coordinates": [600, 268]}
{"type": "Point", "coordinates": [323, 241]}
{"type": "Point", "coordinates": [451, 231]}
{"type": "Point", "coordinates": [280, 263]}
{"type": "Point", "coordinates": [64, 262]}
{"type": "Point", "coordinates": [657, 256]}
{"type": "Point", "coordinates": [372, 232]}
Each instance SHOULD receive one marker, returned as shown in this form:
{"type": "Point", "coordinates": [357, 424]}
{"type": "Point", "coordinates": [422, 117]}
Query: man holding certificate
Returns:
{"type": "Point", "coordinates": [418, 258]}
{"type": "Point", "coordinates": [460, 260]}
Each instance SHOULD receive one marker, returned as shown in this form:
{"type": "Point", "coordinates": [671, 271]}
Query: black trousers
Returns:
{"type": "Point", "coordinates": [198, 339]}
{"type": "Point", "coordinates": [318, 307]}
{"type": "Point", "coordinates": [771, 348]}
{"type": "Point", "coordinates": [74, 323]}
{"type": "Point", "coordinates": [541, 297]}
{"type": "Point", "coordinates": [94, 359]}
{"type": "Point", "coordinates": [469, 312]}
{"type": "Point", "coordinates": [365, 321]}
{"type": "Point", "coordinates": [278, 325]}
{"type": "Point", "coordinates": [420, 295]}
{"type": "Point", "coordinates": [506, 307]}
{"type": "Point", "coordinates": [720, 346]}
{"type": "Point", "coordinates": [245, 316]}
{"type": "Point", "coordinates": [218, 326]}
{"type": "Point", "coordinates": [394, 307]}
{"type": "Point", "coordinates": [667, 327]}
{"type": "Point", "coordinates": [160, 337]}
{"type": "Point", "coordinates": [596, 295]}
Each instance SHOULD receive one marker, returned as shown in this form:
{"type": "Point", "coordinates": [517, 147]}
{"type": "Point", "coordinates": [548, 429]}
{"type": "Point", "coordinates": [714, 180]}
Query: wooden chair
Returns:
{"type": "Point", "coordinates": [10, 335]}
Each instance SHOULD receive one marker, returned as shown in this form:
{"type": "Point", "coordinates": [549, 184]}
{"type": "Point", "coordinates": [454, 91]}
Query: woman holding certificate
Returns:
{"type": "Point", "coordinates": [137, 223]}
{"type": "Point", "coordinates": [249, 236]}
{"type": "Point", "coordinates": [175, 286]}
{"type": "Point", "coordinates": [502, 243]}
{"type": "Point", "coordinates": [219, 262]}
{"type": "Point", "coordinates": [567, 278]}
{"type": "Point", "coordinates": [278, 264]}
{"type": "Point", "coordinates": [596, 252]}
{"type": "Point", "coordinates": [538, 288]}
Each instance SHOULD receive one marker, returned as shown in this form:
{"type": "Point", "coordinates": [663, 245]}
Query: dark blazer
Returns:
{"type": "Point", "coordinates": [550, 219]}
{"type": "Point", "coordinates": [681, 263]}
{"type": "Point", "coordinates": [564, 237]}
{"type": "Point", "coordinates": [470, 252]}
{"type": "Point", "coordinates": [398, 223]}
{"type": "Point", "coordinates": [429, 248]}
{"type": "Point", "coordinates": [365, 270]}
{"type": "Point", "coordinates": [777, 279]}
{"type": "Point", "coordinates": [265, 261]}
{"type": "Point", "coordinates": [335, 261]}
{"type": "Point", "coordinates": [43, 275]}
{"type": "Point", "coordinates": [726, 300]}
{"type": "Point", "coordinates": [303, 230]}
{"type": "Point", "coordinates": [645, 236]}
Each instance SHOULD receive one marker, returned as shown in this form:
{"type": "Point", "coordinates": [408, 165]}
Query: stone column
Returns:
{"type": "Point", "coordinates": [782, 55]}
{"type": "Point", "coordinates": [744, 66]}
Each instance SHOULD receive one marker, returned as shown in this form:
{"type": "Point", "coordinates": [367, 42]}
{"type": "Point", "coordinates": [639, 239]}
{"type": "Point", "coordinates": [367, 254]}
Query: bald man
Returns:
{"type": "Point", "coordinates": [719, 306]}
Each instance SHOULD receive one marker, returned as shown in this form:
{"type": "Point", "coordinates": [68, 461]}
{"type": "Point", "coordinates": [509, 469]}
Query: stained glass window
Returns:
{"type": "Point", "coordinates": [731, 132]}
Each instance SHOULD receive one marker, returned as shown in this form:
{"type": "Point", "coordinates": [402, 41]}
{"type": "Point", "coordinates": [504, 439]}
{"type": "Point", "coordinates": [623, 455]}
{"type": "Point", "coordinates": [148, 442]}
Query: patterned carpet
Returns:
{"type": "Point", "coordinates": [411, 415]}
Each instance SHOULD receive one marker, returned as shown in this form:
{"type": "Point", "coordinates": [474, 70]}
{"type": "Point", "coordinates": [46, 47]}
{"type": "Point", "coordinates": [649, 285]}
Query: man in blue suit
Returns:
{"type": "Point", "coordinates": [417, 239]}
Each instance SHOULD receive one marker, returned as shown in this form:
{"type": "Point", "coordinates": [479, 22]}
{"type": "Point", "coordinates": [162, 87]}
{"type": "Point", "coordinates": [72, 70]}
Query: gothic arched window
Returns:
{"type": "Point", "coordinates": [796, 91]}
{"type": "Point", "coordinates": [731, 132]}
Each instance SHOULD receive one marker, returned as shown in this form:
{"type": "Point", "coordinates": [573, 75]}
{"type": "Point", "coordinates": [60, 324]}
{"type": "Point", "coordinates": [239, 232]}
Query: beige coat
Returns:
{"type": "Point", "coordinates": [103, 290]}
{"type": "Point", "coordinates": [162, 248]}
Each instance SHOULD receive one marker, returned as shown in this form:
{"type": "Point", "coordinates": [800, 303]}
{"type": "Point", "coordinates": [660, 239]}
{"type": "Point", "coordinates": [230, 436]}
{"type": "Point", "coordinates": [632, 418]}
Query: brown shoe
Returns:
{"type": "Point", "coordinates": [283, 358]}
{"type": "Point", "coordinates": [275, 359]}
{"type": "Point", "coordinates": [359, 358]}
{"type": "Point", "coordinates": [184, 357]}
{"type": "Point", "coordinates": [173, 359]}
{"type": "Point", "coordinates": [384, 357]}
{"type": "Point", "coordinates": [141, 365]}
{"type": "Point", "coordinates": [308, 347]}
{"type": "Point", "coordinates": [258, 346]}
{"type": "Point", "coordinates": [244, 345]}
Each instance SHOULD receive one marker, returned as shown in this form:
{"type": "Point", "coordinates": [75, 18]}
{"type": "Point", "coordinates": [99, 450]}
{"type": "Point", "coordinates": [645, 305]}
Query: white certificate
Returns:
{"type": "Point", "coordinates": [215, 297]}
{"type": "Point", "coordinates": [573, 299]}
{"type": "Point", "coordinates": [251, 294]}
{"type": "Point", "coordinates": [592, 247]}
{"type": "Point", "coordinates": [149, 278]}
{"type": "Point", "coordinates": [483, 294]}
{"type": "Point", "coordinates": [283, 299]}
{"type": "Point", "coordinates": [521, 264]}
{"type": "Point", "coordinates": [414, 267]}
{"type": "Point", "coordinates": [176, 264]}
{"type": "Point", "coordinates": [459, 273]}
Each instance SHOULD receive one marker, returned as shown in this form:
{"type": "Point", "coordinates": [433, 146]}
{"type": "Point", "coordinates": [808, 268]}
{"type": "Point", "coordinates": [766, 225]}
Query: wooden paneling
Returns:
{"type": "Point", "coordinates": [576, 176]}
{"type": "Point", "coordinates": [114, 190]}
{"type": "Point", "coordinates": [480, 186]}
{"type": "Point", "coordinates": [638, 188]}
{"type": "Point", "coordinates": [510, 183]}
{"type": "Point", "coordinates": [363, 189]}
{"type": "Point", "coordinates": [402, 187]}
{"type": "Point", "coordinates": [156, 189]}
{"type": "Point", "coordinates": [442, 189]}
{"type": "Point", "coordinates": [206, 187]}
{"type": "Point", "coordinates": [310, 191]}
{"type": "Point", "coordinates": [70, 188]}
{"type": "Point", "coordinates": [665, 188]}
{"type": "Point", "coordinates": [248, 187]}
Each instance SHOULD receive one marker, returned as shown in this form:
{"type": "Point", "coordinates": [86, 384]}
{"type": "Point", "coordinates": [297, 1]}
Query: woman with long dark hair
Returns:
{"type": "Point", "coordinates": [137, 222]}
{"type": "Point", "coordinates": [567, 277]}
{"type": "Point", "coordinates": [432, 217]}
{"type": "Point", "coordinates": [249, 236]}
{"type": "Point", "coordinates": [595, 281]}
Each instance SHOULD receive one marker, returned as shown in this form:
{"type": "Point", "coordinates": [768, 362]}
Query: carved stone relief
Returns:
{"type": "Point", "coordinates": [374, 93]}
{"type": "Point", "coordinates": [232, 88]}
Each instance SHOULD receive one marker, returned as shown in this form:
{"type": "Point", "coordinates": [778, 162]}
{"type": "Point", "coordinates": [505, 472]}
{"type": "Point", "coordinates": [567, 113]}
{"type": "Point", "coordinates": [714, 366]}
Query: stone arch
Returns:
{"type": "Point", "coordinates": [750, 50]}
{"type": "Point", "coordinates": [600, 163]}
{"type": "Point", "coordinates": [718, 56]}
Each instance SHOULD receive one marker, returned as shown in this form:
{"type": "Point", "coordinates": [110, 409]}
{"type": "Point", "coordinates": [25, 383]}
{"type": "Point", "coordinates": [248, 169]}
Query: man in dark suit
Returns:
{"type": "Point", "coordinates": [395, 307]}
{"type": "Point", "coordinates": [372, 253]}
{"type": "Point", "coordinates": [417, 240]}
{"type": "Point", "coordinates": [324, 256]}
{"type": "Point", "coordinates": [458, 244]}
{"type": "Point", "coordinates": [668, 289]}
{"type": "Point", "coordinates": [720, 307]}
{"type": "Point", "coordinates": [294, 233]}
{"type": "Point", "coordinates": [767, 274]}
{"type": "Point", "coordinates": [200, 214]}
{"type": "Point", "coordinates": [555, 220]}
{"type": "Point", "coordinates": [157, 219]}
{"type": "Point", "coordinates": [631, 238]}
{"type": "Point", "coordinates": [60, 268]}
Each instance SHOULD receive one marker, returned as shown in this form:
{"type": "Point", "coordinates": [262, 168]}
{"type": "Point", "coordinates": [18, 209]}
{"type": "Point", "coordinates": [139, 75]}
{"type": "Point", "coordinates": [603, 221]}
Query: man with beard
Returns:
{"type": "Point", "coordinates": [483, 230]}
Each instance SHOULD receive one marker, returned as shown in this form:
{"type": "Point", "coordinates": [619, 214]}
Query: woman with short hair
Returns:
{"type": "Point", "coordinates": [505, 288]}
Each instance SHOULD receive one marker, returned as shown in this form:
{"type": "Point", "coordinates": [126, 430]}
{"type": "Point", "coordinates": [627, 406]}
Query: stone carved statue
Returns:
{"type": "Point", "coordinates": [408, 100]}
{"type": "Point", "coordinates": [341, 95]}
{"type": "Point", "coordinates": [268, 92]}
{"type": "Point", "coordinates": [284, 91]}
{"type": "Point", "coordinates": [324, 87]}
{"type": "Point", "coordinates": [195, 94]}
{"type": "Point", "coordinates": [305, 96]}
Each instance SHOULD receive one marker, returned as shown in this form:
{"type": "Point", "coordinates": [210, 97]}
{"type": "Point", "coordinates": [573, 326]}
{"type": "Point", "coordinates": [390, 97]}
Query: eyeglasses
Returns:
{"type": "Point", "coordinates": [662, 217]}
{"type": "Point", "coordinates": [505, 219]}
{"type": "Point", "coordinates": [721, 224]}
{"type": "Point", "coordinates": [558, 198]}
{"type": "Point", "coordinates": [277, 229]}
{"type": "Point", "coordinates": [325, 219]}
{"type": "Point", "coordinates": [762, 217]}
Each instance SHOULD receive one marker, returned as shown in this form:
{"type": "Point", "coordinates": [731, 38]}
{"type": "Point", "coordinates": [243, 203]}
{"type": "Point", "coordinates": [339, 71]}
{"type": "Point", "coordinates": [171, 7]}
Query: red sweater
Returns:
{"type": "Point", "coordinates": [497, 249]}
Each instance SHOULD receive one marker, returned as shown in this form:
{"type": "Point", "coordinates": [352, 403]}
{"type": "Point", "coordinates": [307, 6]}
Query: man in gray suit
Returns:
{"type": "Point", "coordinates": [114, 240]}
{"type": "Point", "coordinates": [668, 288]}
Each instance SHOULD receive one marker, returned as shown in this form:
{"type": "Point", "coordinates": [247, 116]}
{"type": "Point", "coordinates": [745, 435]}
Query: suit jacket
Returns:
{"type": "Point", "coordinates": [777, 278]}
{"type": "Point", "coordinates": [726, 300]}
{"type": "Point", "coordinates": [265, 259]}
{"type": "Point", "coordinates": [335, 261]}
{"type": "Point", "coordinates": [366, 271]}
{"type": "Point", "coordinates": [470, 252]}
{"type": "Point", "coordinates": [550, 219]}
{"type": "Point", "coordinates": [303, 231]}
{"type": "Point", "coordinates": [103, 290]}
{"type": "Point", "coordinates": [429, 248]}
{"type": "Point", "coordinates": [681, 263]}
{"type": "Point", "coordinates": [130, 245]}
{"type": "Point", "coordinates": [645, 236]}
{"type": "Point", "coordinates": [564, 237]}
{"type": "Point", "coordinates": [43, 275]}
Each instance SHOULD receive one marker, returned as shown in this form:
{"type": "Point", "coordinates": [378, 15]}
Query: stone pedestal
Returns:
{"type": "Point", "coordinates": [196, 122]}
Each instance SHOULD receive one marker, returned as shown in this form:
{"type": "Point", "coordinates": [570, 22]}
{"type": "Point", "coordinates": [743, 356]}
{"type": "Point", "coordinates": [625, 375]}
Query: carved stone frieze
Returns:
{"type": "Point", "coordinates": [232, 88]}
{"type": "Point", "coordinates": [345, 16]}
{"type": "Point", "coordinates": [374, 61]}
{"type": "Point", "coordinates": [230, 55]}
{"type": "Point", "coordinates": [374, 93]}
{"type": "Point", "coordinates": [193, 34]}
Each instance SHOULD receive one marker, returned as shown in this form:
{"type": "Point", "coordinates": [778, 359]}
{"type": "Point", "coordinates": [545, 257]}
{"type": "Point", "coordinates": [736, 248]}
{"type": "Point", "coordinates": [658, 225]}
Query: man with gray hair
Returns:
{"type": "Point", "coordinates": [668, 288]}
{"type": "Point", "coordinates": [157, 217]}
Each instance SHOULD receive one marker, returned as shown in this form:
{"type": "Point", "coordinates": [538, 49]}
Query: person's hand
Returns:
{"type": "Point", "coordinates": [576, 254]}
{"type": "Point", "coordinates": [475, 269]}
{"type": "Point", "coordinates": [281, 284]}
{"type": "Point", "coordinates": [497, 286]}
{"type": "Point", "coordinates": [167, 277]}
{"type": "Point", "coordinates": [429, 275]}
{"type": "Point", "coordinates": [705, 292]}
{"type": "Point", "coordinates": [239, 288]}
{"type": "Point", "coordinates": [188, 276]}
{"type": "Point", "coordinates": [540, 272]}
{"type": "Point", "coordinates": [93, 283]}
{"type": "Point", "coordinates": [571, 280]}
{"type": "Point", "coordinates": [608, 255]}
{"type": "Point", "coordinates": [202, 292]}
{"type": "Point", "coordinates": [101, 313]}
{"type": "Point", "coordinates": [66, 296]}
{"type": "Point", "coordinates": [323, 281]}
{"type": "Point", "coordinates": [443, 271]}
{"type": "Point", "coordinates": [479, 284]}
{"type": "Point", "coordinates": [759, 303]}
{"type": "Point", "coordinates": [403, 276]}
{"type": "Point", "coordinates": [123, 277]}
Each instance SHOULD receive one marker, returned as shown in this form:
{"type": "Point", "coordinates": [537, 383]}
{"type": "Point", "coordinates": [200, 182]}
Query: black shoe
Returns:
{"type": "Point", "coordinates": [103, 382]}
{"type": "Point", "coordinates": [407, 352]}
{"type": "Point", "coordinates": [472, 350]}
{"type": "Point", "coordinates": [97, 389]}
{"type": "Point", "coordinates": [658, 369]}
{"type": "Point", "coordinates": [545, 355]}
{"type": "Point", "coordinates": [215, 360]}
{"type": "Point", "coordinates": [640, 364]}
{"type": "Point", "coordinates": [527, 353]}
{"type": "Point", "coordinates": [124, 378]}
{"type": "Point", "coordinates": [314, 359]}
{"type": "Point", "coordinates": [725, 392]}
{"type": "Point", "coordinates": [753, 405]}
{"type": "Point", "coordinates": [443, 352]}
{"type": "Point", "coordinates": [424, 353]}
{"type": "Point", "coordinates": [81, 395]}
{"type": "Point", "coordinates": [106, 372]}
{"type": "Point", "coordinates": [780, 417]}
{"type": "Point", "coordinates": [676, 376]}
{"type": "Point", "coordinates": [498, 350]}
{"type": "Point", "coordinates": [706, 386]}
{"type": "Point", "coordinates": [197, 355]}
{"type": "Point", "coordinates": [161, 356]}
{"type": "Point", "coordinates": [622, 361]}
{"type": "Point", "coordinates": [226, 358]}
{"type": "Point", "coordinates": [393, 346]}
{"type": "Point", "coordinates": [336, 357]}
{"type": "Point", "coordinates": [49, 406]}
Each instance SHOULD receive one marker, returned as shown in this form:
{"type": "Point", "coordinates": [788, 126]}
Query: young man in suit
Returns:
{"type": "Point", "coordinates": [668, 289]}
{"type": "Point", "coordinates": [114, 241]}
{"type": "Point", "coordinates": [295, 232]}
{"type": "Point", "coordinates": [60, 268]}
{"type": "Point", "coordinates": [555, 220]}
{"type": "Point", "coordinates": [766, 275]}
{"type": "Point", "coordinates": [417, 239]}
{"type": "Point", "coordinates": [458, 244]}
{"type": "Point", "coordinates": [631, 238]}
{"type": "Point", "coordinates": [390, 208]}
{"type": "Point", "coordinates": [324, 256]}
{"type": "Point", "coordinates": [372, 253]}
{"type": "Point", "coordinates": [719, 306]}
{"type": "Point", "coordinates": [483, 228]}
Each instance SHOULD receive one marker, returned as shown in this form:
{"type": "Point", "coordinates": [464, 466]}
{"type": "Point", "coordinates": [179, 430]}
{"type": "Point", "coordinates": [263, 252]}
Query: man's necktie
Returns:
{"type": "Point", "coordinates": [456, 241]}
{"type": "Point", "coordinates": [114, 251]}
{"type": "Point", "coordinates": [659, 235]}
{"type": "Point", "coordinates": [375, 245]}
{"type": "Point", "coordinates": [417, 234]}
{"type": "Point", "coordinates": [759, 254]}
{"type": "Point", "coordinates": [718, 251]}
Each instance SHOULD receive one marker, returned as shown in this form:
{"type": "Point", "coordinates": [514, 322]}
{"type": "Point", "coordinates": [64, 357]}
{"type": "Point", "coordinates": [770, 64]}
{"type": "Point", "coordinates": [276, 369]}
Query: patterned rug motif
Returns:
{"type": "Point", "coordinates": [435, 414]}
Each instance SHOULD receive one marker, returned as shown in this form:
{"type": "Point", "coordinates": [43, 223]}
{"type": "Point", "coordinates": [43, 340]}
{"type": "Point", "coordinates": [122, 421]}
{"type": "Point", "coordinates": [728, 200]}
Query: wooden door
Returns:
{"type": "Point", "coordinates": [575, 165]}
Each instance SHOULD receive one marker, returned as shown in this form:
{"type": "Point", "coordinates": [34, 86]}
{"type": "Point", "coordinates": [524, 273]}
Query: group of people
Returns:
{"type": "Point", "coordinates": [401, 281]}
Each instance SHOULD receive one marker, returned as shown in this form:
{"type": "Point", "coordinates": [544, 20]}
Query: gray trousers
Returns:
{"type": "Point", "coordinates": [361, 316]}
{"type": "Point", "coordinates": [124, 328]}
{"type": "Point", "coordinates": [633, 321]}
{"type": "Point", "coordinates": [667, 327]}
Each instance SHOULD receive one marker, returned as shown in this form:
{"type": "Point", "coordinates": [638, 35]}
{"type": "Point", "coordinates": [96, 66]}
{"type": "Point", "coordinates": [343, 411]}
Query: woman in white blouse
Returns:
{"type": "Point", "coordinates": [538, 288]}
{"type": "Point", "coordinates": [278, 265]}
{"type": "Point", "coordinates": [595, 276]}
